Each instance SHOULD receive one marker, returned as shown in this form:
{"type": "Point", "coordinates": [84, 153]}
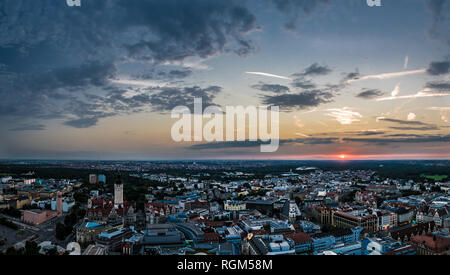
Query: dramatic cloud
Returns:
{"type": "Point", "coordinates": [28, 127]}
{"type": "Point", "coordinates": [150, 29]}
{"type": "Point", "coordinates": [315, 70]}
{"type": "Point", "coordinates": [52, 55]}
{"type": "Point", "coordinates": [82, 122]}
{"type": "Point", "coordinates": [296, 9]}
{"type": "Point", "coordinates": [402, 122]}
{"type": "Point", "coordinates": [439, 85]}
{"type": "Point", "coordinates": [351, 77]}
{"type": "Point", "coordinates": [370, 94]}
{"type": "Point", "coordinates": [299, 101]}
{"type": "Point", "coordinates": [165, 99]}
{"type": "Point", "coordinates": [43, 94]}
{"type": "Point", "coordinates": [423, 126]}
{"type": "Point", "coordinates": [439, 68]}
{"type": "Point", "coordinates": [303, 83]}
{"type": "Point", "coordinates": [273, 88]}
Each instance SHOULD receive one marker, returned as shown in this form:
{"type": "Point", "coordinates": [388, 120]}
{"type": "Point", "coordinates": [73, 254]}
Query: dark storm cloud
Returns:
{"type": "Point", "coordinates": [439, 85]}
{"type": "Point", "coordinates": [165, 75]}
{"type": "Point", "coordinates": [150, 29]}
{"type": "Point", "coordinates": [303, 83]}
{"type": "Point", "coordinates": [439, 67]}
{"type": "Point", "coordinates": [273, 88]}
{"type": "Point", "coordinates": [28, 127]}
{"type": "Point", "coordinates": [167, 98]}
{"type": "Point", "coordinates": [296, 9]}
{"type": "Point", "coordinates": [52, 55]}
{"type": "Point", "coordinates": [351, 76]}
{"type": "Point", "coordinates": [404, 122]}
{"type": "Point", "coordinates": [82, 122]}
{"type": "Point", "coordinates": [370, 94]}
{"type": "Point", "coordinates": [53, 93]}
{"type": "Point", "coordinates": [315, 70]}
{"type": "Point", "coordinates": [302, 100]}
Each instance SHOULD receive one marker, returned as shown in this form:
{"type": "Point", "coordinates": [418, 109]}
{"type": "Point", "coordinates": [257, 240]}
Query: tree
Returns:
{"type": "Point", "coordinates": [60, 231]}
{"type": "Point", "coordinates": [52, 252]}
{"type": "Point", "coordinates": [31, 248]}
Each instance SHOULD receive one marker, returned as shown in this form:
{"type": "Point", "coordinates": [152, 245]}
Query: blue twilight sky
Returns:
{"type": "Point", "coordinates": [99, 81]}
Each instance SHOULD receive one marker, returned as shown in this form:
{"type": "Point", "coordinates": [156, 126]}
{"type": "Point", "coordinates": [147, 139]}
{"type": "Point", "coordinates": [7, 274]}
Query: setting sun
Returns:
{"type": "Point", "coordinates": [342, 156]}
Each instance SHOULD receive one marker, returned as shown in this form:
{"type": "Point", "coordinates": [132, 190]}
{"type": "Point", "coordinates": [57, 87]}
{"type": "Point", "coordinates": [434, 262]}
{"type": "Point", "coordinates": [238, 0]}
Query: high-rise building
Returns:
{"type": "Point", "coordinates": [93, 178]}
{"type": "Point", "coordinates": [118, 192]}
{"type": "Point", "coordinates": [102, 178]}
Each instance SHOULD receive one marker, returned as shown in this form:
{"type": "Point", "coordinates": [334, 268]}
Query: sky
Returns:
{"type": "Point", "coordinates": [99, 81]}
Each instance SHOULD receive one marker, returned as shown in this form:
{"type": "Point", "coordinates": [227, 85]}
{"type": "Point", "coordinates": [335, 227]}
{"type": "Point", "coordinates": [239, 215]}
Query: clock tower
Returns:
{"type": "Point", "coordinates": [118, 192]}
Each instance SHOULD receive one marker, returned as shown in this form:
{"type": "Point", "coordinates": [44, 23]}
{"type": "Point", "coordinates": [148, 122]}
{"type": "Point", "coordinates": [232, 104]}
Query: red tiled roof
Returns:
{"type": "Point", "coordinates": [299, 237]}
{"type": "Point", "coordinates": [437, 245]}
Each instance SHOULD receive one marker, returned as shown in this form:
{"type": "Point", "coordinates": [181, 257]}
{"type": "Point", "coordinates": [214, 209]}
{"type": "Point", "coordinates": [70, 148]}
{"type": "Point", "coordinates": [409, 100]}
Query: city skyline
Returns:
{"type": "Point", "coordinates": [99, 81]}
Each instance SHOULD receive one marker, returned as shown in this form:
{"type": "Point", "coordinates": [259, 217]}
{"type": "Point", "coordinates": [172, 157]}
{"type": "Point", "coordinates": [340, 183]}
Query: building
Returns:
{"type": "Point", "coordinates": [103, 209]}
{"type": "Point", "coordinates": [111, 240]}
{"type": "Point", "coordinates": [38, 217]}
{"type": "Point", "coordinates": [407, 232]}
{"type": "Point", "coordinates": [386, 246]}
{"type": "Point", "coordinates": [88, 231]}
{"type": "Point", "coordinates": [264, 206]}
{"type": "Point", "coordinates": [93, 179]}
{"type": "Point", "coordinates": [163, 234]}
{"type": "Point", "coordinates": [59, 203]}
{"type": "Point", "coordinates": [302, 242]}
{"type": "Point", "coordinates": [344, 249]}
{"type": "Point", "coordinates": [269, 245]}
{"type": "Point", "coordinates": [234, 205]}
{"type": "Point", "coordinates": [436, 243]}
{"type": "Point", "coordinates": [67, 204]}
{"type": "Point", "coordinates": [102, 178]}
{"type": "Point", "coordinates": [118, 192]}
{"type": "Point", "coordinates": [355, 219]}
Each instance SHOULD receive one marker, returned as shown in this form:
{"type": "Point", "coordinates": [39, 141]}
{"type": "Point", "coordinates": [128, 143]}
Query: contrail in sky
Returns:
{"type": "Point", "coordinates": [387, 75]}
{"type": "Point", "coordinates": [269, 75]}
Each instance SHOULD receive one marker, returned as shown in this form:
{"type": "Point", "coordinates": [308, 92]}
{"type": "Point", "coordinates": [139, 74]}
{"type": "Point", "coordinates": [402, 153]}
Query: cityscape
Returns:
{"type": "Point", "coordinates": [216, 208]}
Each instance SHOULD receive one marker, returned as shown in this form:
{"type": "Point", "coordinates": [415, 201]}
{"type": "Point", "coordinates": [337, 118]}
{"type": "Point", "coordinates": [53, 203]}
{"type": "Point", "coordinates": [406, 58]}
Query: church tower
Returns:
{"type": "Point", "coordinates": [59, 203]}
{"type": "Point", "coordinates": [118, 192]}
